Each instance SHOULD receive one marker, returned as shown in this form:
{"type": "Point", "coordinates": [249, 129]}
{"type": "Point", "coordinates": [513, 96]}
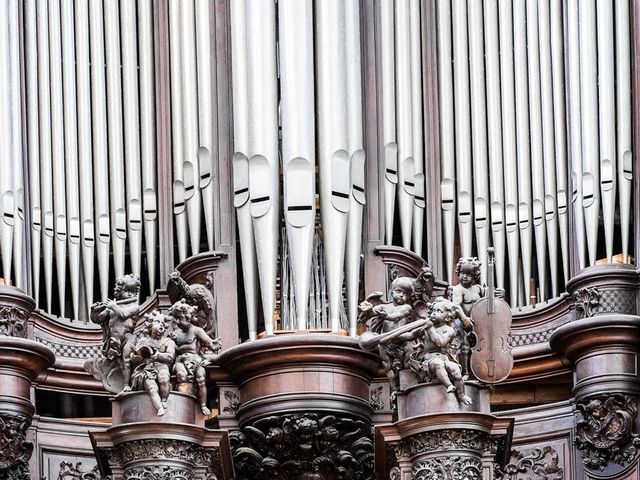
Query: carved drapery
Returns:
{"type": "Point", "coordinates": [299, 446]}
{"type": "Point", "coordinates": [15, 451]}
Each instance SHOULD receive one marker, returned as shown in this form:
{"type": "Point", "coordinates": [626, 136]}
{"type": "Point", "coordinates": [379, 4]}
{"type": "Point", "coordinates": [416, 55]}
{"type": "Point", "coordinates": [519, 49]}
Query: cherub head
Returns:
{"type": "Point", "coordinates": [183, 314]}
{"type": "Point", "coordinates": [127, 286]}
{"type": "Point", "coordinates": [468, 271]}
{"type": "Point", "coordinates": [442, 311]}
{"type": "Point", "coordinates": [154, 324]}
{"type": "Point", "coordinates": [401, 290]}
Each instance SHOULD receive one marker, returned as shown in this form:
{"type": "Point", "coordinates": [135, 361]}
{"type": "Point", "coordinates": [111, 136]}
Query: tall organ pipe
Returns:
{"type": "Point", "coordinates": [241, 163]}
{"type": "Point", "coordinates": [523, 144]}
{"type": "Point", "coordinates": [298, 145]}
{"type": "Point", "coordinates": [264, 192]}
{"type": "Point", "coordinates": [417, 125]}
{"type": "Point", "coordinates": [335, 185]}
{"type": "Point", "coordinates": [447, 134]}
{"type": "Point", "coordinates": [388, 100]}
{"type": "Point", "coordinates": [356, 152]}
{"type": "Point", "coordinates": [100, 149]}
{"type": "Point", "coordinates": [494, 127]}
{"type": "Point", "coordinates": [623, 96]}
{"type": "Point", "coordinates": [590, 134]}
{"type": "Point", "coordinates": [462, 125]}
{"type": "Point", "coordinates": [505, 18]}
{"type": "Point", "coordinates": [6, 188]}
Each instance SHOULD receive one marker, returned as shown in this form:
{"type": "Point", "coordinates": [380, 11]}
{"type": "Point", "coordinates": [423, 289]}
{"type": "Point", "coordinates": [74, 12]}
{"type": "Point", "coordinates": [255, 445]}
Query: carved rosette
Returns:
{"type": "Point", "coordinates": [15, 451]}
{"type": "Point", "coordinates": [15, 308]}
{"type": "Point", "coordinates": [301, 446]}
{"type": "Point", "coordinates": [605, 433]}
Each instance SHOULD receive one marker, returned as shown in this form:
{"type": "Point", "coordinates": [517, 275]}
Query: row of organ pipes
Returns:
{"type": "Point", "coordinates": [510, 74]}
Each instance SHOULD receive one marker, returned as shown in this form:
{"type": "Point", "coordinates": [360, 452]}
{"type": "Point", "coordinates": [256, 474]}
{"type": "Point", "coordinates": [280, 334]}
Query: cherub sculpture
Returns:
{"type": "Point", "coordinates": [118, 319]}
{"type": "Point", "coordinates": [392, 324]}
{"type": "Point", "coordinates": [438, 356]}
{"type": "Point", "coordinates": [153, 354]}
{"type": "Point", "coordinates": [199, 296]}
{"type": "Point", "coordinates": [195, 350]}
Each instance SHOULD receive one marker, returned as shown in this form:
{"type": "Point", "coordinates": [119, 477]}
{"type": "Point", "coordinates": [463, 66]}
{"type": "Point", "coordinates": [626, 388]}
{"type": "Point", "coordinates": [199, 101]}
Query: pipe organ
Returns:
{"type": "Point", "coordinates": [534, 148]}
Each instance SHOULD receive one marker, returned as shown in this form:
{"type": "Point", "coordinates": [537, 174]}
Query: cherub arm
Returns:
{"type": "Point", "coordinates": [441, 339]}
{"type": "Point", "coordinates": [168, 355]}
{"type": "Point", "coordinates": [211, 343]}
{"type": "Point", "coordinates": [457, 294]}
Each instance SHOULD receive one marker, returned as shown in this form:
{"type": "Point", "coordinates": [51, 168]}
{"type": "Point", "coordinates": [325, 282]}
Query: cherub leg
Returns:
{"type": "Point", "coordinates": [151, 387]}
{"type": "Point", "coordinates": [126, 367]}
{"type": "Point", "coordinates": [181, 372]}
{"type": "Point", "coordinates": [441, 374]}
{"type": "Point", "coordinates": [164, 381]}
{"type": "Point", "coordinates": [202, 390]}
{"type": "Point", "coordinates": [391, 374]}
{"type": "Point", "coordinates": [456, 375]}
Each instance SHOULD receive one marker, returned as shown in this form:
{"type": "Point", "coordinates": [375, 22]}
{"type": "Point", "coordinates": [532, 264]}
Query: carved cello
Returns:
{"type": "Point", "coordinates": [491, 357]}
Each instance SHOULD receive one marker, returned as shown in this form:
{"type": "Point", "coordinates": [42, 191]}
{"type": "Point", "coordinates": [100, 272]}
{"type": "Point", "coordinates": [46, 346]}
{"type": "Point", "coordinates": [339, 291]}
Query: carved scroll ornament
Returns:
{"type": "Point", "coordinates": [539, 463]}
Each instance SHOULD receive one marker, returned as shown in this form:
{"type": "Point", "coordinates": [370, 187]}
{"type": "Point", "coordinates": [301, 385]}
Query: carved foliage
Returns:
{"type": "Point", "coordinates": [537, 464]}
{"type": "Point", "coordinates": [15, 452]}
{"type": "Point", "coordinates": [303, 446]}
{"type": "Point", "coordinates": [158, 472]}
{"type": "Point", "coordinates": [605, 433]}
{"type": "Point", "coordinates": [13, 321]}
{"type": "Point", "coordinates": [443, 440]}
{"type": "Point", "coordinates": [375, 398]}
{"type": "Point", "coordinates": [448, 468]}
{"type": "Point", "coordinates": [232, 402]}
{"type": "Point", "coordinates": [587, 299]}
{"type": "Point", "coordinates": [74, 471]}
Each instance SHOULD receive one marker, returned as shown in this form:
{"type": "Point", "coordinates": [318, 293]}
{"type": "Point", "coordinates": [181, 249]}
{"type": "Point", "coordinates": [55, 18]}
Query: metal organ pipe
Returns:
{"type": "Point", "coordinates": [404, 129]}
{"type": "Point", "coordinates": [298, 143]}
{"type": "Point", "coordinates": [607, 117]}
{"type": "Point", "coordinates": [417, 124]}
{"type": "Point", "coordinates": [388, 100]}
{"type": "Point", "coordinates": [497, 163]}
{"type": "Point", "coordinates": [240, 162]}
{"type": "Point", "coordinates": [263, 146]}
{"type": "Point", "coordinates": [623, 132]}
{"type": "Point", "coordinates": [590, 134]}
{"type": "Point", "coordinates": [71, 150]}
{"type": "Point", "coordinates": [335, 184]}
{"type": "Point", "coordinates": [100, 149]}
{"type": "Point", "coordinates": [357, 154]}
{"type": "Point", "coordinates": [447, 134]}
{"type": "Point", "coordinates": [507, 89]}
{"type": "Point", "coordinates": [148, 136]}
{"type": "Point", "coordinates": [6, 187]}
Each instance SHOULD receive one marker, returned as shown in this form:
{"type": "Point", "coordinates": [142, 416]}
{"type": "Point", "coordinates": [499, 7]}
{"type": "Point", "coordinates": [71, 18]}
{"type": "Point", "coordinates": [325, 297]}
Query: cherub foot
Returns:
{"type": "Point", "coordinates": [124, 390]}
{"type": "Point", "coordinates": [466, 399]}
{"type": "Point", "coordinates": [451, 389]}
{"type": "Point", "coordinates": [205, 410]}
{"type": "Point", "coordinates": [164, 403]}
{"type": "Point", "coordinates": [161, 411]}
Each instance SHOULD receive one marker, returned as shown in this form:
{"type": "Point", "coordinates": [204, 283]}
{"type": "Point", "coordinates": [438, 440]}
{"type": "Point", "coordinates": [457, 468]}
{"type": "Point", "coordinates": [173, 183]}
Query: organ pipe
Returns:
{"type": "Point", "coordinates": [417, 124]}
{"type": "Point", "coordinates": [6, 176]}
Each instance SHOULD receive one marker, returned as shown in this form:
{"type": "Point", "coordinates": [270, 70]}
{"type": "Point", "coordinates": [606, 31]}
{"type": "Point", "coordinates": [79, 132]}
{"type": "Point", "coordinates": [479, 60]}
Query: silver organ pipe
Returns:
{"type": "Point", "coordinates": [404, 129]}
{"type": "Point", "coordinates": [388, 100]}
{"type": "Point", "coordinates": [589, 103]}
{"type": "Point", "coordinates": [46, 168]}
{"type": "Point", "coordinates": [205, 114]}
{"type": "Point", "coordinates": [537, 153]}
{"type": "Point", "coordinates": [85, 160]}
{"type": "Point", "coordinates": [114, 126]}
{"type": "Point", "coordinates": [263, 147]}
{"type": "Point", "coordinates": [447, 134]}
{"type": "Point", "coordinates": [549, 148]}
{"type": "Point", "coordinates": [240, 162]}
{"type": "Point", "coordinates": [525, 223]}
{"type": "Point", "coordinates": [71, 150]}
{"type": "Point", "coordinates": [298, 143]}
{"type": "Point", "coordinates": [507, 86]}
{"type": "Point", "coordinates": [607, 118]}
{"type": "Point", "coordinates": [57, 142]}
{"type": "Point", "coordinates": [131, 105]}
{"type": "Point", "coordinates": [478, 130]}
{"type": "Point", "coordinates": [573, 75]}
{"type": "Point", "coordinates": [100, 148]}
{"type": "Point", "coordinates": [357, 154]}
{"type": "Point", "coordinates": [417, 124]}
{"type": "Point", "coordinates": [190, 124]}
{"type": "Point", "coordinates": [148, 136]}
{"type": "Point", "coordinates": [33, 139]}
{"type": "Point", "coordinates": [179, 201]}
{"type": "Point", "coordinates": [335, 184]}
{"type": "Point", "coordinates": [559, 121]}
{"type": "Point", "coordinates": [462, 125]}
{"type": "Point", "coordinates": [6, 180]}
{"type": "Point", "coordinates": [623, 110]}
{"type": "Point", "coordinates": [497, 163]}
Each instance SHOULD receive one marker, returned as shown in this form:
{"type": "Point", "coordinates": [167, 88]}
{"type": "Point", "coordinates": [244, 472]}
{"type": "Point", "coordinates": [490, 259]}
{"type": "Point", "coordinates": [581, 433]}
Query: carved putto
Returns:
{"type": "Point", "coordinates": [159, 351]}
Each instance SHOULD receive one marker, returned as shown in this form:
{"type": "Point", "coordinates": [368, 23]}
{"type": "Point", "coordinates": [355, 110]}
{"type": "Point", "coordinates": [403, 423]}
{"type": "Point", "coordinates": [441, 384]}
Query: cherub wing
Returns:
{"type": "Point", "coordinates": [367, 313]}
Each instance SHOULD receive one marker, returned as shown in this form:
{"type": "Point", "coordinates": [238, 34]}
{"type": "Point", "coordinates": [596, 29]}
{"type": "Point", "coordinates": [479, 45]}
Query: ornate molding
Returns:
{"type": "Point", "coordinates": [159, 472]}
{"type": "Point", "coordinates": [591, 301]}
{"type": "Point", "coordinates": [605, 433]}
{"type": "Point", "coordinates": [540, 463]}
{"type": "Point", "coordinates": [82, 352]}
{"type": "Point", "coordinates": [529, 338]}
{"type": "Point", "coordinates": [74, 471]}
{"type": "Point", "coordinates": [448, 468]}
{"type": "Point", "coordinates": [13, 321]}
{"type": "Point", "coordinates": [442, 440]}
{"type": "Point", "coordinates": [295, 446]}
{"type": "Point", "coordinates": [15, 451]}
